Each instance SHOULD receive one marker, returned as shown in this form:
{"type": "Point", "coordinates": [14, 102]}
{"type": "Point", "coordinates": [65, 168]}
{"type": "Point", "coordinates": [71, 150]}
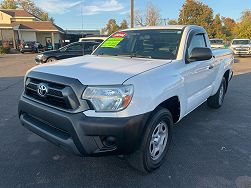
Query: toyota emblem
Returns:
{"type": "Point", "coordinates": [42, 90]}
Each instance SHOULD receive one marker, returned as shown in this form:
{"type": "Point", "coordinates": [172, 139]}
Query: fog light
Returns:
{"type": "Point", "coordinates": [110, 141]}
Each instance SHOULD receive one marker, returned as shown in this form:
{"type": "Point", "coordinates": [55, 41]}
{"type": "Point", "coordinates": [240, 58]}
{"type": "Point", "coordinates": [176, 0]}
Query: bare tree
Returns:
{"type": "Point", "coordinates": [149, 17]}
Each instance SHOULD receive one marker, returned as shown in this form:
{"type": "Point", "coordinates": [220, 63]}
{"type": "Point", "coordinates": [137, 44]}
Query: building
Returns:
{"type": "Point", "coordinates": [74, 35]}
{"type": "Point", "coordinates": [18, 25]}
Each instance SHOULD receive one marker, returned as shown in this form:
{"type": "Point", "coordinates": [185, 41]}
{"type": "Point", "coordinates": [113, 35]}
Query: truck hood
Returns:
{"type": "Point", "coordinates": [100, 70]}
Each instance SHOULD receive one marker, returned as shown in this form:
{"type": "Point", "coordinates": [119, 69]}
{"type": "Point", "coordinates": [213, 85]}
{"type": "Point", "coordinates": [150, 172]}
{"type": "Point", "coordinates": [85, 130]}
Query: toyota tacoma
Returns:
{"type": "Point", "coordinates": [125, 97]}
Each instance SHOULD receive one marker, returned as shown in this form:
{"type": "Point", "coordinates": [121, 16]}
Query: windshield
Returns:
{"type": "Point", "coordinates": [155, 44]}
{"type": "Point", "coordinates": [216, 41]}
{"type": "Point", "coordinates": [241, 42]}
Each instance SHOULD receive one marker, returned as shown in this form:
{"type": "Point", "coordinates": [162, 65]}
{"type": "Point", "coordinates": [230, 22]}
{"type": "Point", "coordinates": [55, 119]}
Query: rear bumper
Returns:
{"type": "Point", "coordinates": [27, 50]}
{"type": "Point", "coordinates": [82, 135]}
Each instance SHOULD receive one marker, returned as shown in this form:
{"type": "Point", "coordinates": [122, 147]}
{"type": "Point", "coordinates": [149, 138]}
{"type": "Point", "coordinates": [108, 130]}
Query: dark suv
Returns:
{"type": "Point", "coordinates": [72, 50]}
{"type": "Point", "coordinates": [33, 47]}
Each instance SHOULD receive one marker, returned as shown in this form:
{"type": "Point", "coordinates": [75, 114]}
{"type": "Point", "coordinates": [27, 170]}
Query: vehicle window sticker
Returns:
{"type": "Point", "coordinates": [114, 40]}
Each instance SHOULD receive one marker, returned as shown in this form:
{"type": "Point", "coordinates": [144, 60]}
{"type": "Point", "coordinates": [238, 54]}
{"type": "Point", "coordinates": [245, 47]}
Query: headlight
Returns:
{"type": "Point", "coordinates": [40, 56]}
{"type": "Point", "coordinates": [109, 98]}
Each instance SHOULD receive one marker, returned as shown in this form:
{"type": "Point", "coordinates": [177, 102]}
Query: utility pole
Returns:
{"type": "Point", "coordinates": [82, 20]}
{"type": "Point", "coordinates": [132, 13]}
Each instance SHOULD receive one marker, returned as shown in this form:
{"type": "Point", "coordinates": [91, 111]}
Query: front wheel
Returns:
{"type": "Point", "coordinates": [155, 142]}
{"type": "Point", "coordinates": [51, 59]}
{"type": "Point", "coordinates": [217, 100]}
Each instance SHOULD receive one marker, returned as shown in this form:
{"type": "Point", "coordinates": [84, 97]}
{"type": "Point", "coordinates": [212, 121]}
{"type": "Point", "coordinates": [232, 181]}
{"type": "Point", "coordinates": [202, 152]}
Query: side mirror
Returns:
{"type": "Point", "coordinates": [94, 47]}
{"type": "Point", "coordinates": [200, 54]}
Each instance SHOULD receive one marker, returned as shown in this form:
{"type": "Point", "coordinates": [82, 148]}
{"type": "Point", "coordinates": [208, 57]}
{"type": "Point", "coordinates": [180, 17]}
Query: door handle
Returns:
{"type": "Point", "coordinates": [210, 67]}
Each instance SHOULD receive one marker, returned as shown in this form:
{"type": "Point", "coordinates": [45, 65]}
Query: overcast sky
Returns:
{"type": "Point", "coordinates": [96, 13]}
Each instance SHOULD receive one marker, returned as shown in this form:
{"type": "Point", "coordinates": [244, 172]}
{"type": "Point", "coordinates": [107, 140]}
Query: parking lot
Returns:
{"type": "Point", "coordinates": [211, 148]}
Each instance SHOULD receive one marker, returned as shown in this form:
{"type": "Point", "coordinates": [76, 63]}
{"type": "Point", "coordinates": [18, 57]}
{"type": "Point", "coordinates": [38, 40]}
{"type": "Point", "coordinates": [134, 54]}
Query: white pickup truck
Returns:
{"type": "Point", "coordinates": [241, 47]}
{"type": "Point", "coordinates": [125, 98]}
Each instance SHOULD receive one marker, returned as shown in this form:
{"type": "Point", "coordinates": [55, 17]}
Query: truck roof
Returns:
{"type": "Point", "coordinates": [163, 27]}
{"type": "Point", "coordinates": [92, 38]}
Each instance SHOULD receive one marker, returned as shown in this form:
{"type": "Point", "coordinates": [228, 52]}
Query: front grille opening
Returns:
{"type": "Point", "coordinates": [55, 96]}
{"type": "Point", "coordinates": [51, 84]}
{"type": "Point", "coordinates": [48, 100]}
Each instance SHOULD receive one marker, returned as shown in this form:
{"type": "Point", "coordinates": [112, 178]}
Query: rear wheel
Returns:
{"type": "Point", "coordinates": [155, 143]}
{"type": "Point", "coordinates": [51, 59]}
{"type": "Point", "coordinates": [217, 100]}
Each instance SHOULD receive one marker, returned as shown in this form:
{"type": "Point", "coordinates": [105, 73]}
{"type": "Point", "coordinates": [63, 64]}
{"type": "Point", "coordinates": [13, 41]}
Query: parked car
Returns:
{"type": "Point", "coordinates": [93, 39]}
{"type": "Point", "coordinates": [217, 43]}
{"type": "Point", "coordinates": [72, 50]}
{"type": "Point", "coordinates": [241, 47]}
{"type": "Point", "coordinates": [125, 97]}
{"type": "Point", "coordinates": [33, 47]}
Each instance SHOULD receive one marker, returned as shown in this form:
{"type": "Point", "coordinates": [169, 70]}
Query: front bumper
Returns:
{"type": "Point", "coordinates": [39, 61]}
{"type": "Point", "coordinates": [242, 53]}
{"type": "Point", "coordinates": [82, 135]}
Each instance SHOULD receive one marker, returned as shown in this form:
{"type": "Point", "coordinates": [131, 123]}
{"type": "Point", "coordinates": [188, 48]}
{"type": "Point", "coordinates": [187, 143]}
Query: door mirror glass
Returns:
{"type": "Point", "coordinates": [200, 54]}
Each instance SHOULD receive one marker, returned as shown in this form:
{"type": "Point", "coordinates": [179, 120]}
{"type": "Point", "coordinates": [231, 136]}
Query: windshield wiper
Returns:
{"type": "Point", "coordinates": [125, 55]}
{"type": "Point", "coordinates": [135, 55]}
{"type": "Point", "coordinates": [102, 54]}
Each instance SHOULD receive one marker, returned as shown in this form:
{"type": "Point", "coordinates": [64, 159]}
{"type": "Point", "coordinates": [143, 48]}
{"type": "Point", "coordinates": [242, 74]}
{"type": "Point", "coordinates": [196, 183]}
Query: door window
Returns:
{"type": "Point", "coordinates": [75, 48]}
{"type": "Point", "coordinates": [88, 47]}
{"type": "Point", "coordinates": [197, 41]}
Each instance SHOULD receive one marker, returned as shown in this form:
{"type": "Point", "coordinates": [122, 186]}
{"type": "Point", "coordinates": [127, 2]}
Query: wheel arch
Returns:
{"type": "Point", "coordinates": [51, 57]}
{"type": "Point", "coordinates": [174, 106]}
{"type": "Point", "coordinates": [226, 76]}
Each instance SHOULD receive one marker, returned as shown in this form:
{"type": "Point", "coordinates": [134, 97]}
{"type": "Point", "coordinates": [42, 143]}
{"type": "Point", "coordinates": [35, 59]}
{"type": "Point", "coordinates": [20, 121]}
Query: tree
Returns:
{"type": "Point", "coordinates": [111, 27]}
{"type": "Point", "coordinates": [123, 25]}
{"type": "Point", "coordinates": [9, 4]}
{"type": "Point", "coordinates": [197, 13]}
{"type": "Point", "coordinates": [243, 28]}
{"type": "Point", "coordinates": [151, 17]}
{"type": "Point", "coordinates": [218, 28]}
{"type": "Point", "coordinates": [172, 22]}
{"type": "Point", "coordinates": [228, 27]}
{"type": "Point", "coordinates": [246, 15]}
{"type": "Point", "coordinates": [30, 6]}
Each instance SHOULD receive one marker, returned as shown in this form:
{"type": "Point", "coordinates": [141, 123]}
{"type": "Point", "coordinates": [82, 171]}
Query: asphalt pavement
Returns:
{"type": "Point", "coordinates": [211, 148]}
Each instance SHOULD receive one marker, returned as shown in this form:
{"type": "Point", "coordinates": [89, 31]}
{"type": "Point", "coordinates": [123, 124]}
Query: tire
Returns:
{"type": "Point", "coordinates": [51, 59]}
{"type": "Point", "coordinates": [147, 159]}
{"type": "Point", "coordinates": [216, 101]}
